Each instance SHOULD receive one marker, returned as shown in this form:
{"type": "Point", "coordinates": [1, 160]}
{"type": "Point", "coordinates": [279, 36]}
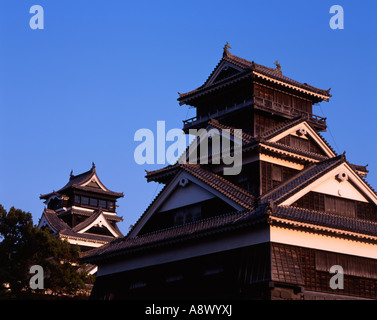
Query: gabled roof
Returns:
{"type": "Point", "coordinates": [301, 179]}
{"type": "Point", "coordinates": [291, 126]}
{"type": "Point", "coordinates": [94, 219]}
{"type": "Point", "coordinates": [231, 133]}
{"type": "Point", "coordinates": [199, 228]}
{"type": "Point", "coordinates": [58, 226]}
{"type": "Point", "coordinates": [301, 183]}
{"type": "Point", "coordinates": [87, 181]}
{"type": "Point", "coordinates": [294, 216]}
{"type": "Point", "coordinates": [266, 213]}
{"type": "Point", "coordinates": [229, 192]}
{"type": "Point", "coordinates": [248, 68]}
{"type": "Point", "coordinates": [170, 170]}
{"type": "Point", "coordinates": [55, 223]}
{"type": "Point", "coordinates": [233, 192]}
{"type": "Point", "coordinates": [245, 137]}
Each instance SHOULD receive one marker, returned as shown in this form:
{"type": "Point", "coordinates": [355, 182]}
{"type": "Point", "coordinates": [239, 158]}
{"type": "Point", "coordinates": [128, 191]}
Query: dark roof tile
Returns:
{"type": "Point", "coordinates": [325, 219]}
{"type": "Point", "coordinates": [248, 68]}
{"type": "Point", "coordinates": [301, 180]}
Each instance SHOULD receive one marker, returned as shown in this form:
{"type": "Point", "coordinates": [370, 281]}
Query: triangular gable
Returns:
{"type": "Point", "coordinates": [44, 222]}
{"type": "Point", "coordinates": [341, 181]}
{"type": "Point", "coordinates": [214, 127]}
{"type": "Point", "coordinates": [94, 182]}
{"type": "Point", "coordinates": [186, 193]}
{"type": "Point", "coordinates": [207, 188]}
{"type": "Point", "coordinates": [303, 130]}
{"type": "Point", "coordinates": [50, 219]}
{"type": "Point", "coordinates": [96, 219]}
{"type": "Point", "coordinates": [223, 70]}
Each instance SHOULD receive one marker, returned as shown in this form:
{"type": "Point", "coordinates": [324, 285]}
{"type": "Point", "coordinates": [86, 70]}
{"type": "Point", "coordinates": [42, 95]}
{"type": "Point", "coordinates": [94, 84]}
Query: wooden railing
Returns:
{"type": "Point", "coordinates": [287, 110]}
{"type": "Point", "coordinates": [261, 103]}
{"type": "Point", "coordinates": [194, 120]}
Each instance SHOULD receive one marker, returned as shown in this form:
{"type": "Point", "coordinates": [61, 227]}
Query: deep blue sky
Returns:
{"type": "Point", "coordinates": [77, 91]}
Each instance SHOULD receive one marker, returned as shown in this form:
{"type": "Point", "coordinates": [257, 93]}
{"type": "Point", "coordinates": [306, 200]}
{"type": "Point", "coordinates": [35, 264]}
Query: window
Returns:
{"type": "Point", "coordinates": [283, 98]}
{"type": "Point", "coordinates": [187, 215]}
{"type": "Point", "coordinates": [264, 92]}
{"type": "Point", "coordinates": [102, 203]}
{"type": "Point", "coordinates": [299, 143]}
{"type": "Point", "coordinates": [84, 201]}
{"type": "Point", "coordinates": [77, 199]}
{"type": "Point", "coordinates": [302, 105]}
{"type": "Point", "coordinates": [110, 205]}
{"type": "Point", "coordinates": [336, 205]}
{"type": "Point", "coordinates": [340, 206]}
{"type": "Point", "coordinates": [93, 202]}
{"type": "Point", "coordinates": [276, 173]}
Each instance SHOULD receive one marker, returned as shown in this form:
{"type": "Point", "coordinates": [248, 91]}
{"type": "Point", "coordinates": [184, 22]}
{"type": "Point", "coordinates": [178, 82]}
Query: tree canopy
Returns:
{"type": "Point", "coordinates": [23, 245]}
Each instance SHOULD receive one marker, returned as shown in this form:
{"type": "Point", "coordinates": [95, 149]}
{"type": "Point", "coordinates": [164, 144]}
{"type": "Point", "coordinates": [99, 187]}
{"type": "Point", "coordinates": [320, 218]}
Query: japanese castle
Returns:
{"type": "Point", "coordinates": [274, 231]}
{"type": "Point", "coordinates": [83, 212]}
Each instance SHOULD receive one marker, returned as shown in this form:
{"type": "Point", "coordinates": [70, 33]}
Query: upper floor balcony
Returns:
{"type": "Point", "coordinates": [257, 103]}
{"type": "Point", "coordinates": [289, 112]}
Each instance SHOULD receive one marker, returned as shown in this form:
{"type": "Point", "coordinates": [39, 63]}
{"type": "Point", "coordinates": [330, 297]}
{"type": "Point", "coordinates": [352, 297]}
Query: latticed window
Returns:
{"type": "Point", "coordinates": [338, 205]}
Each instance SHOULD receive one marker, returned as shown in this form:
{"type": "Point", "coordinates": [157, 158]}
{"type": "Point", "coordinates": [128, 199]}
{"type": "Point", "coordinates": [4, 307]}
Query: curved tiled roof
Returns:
{"type": "Point", "coordinates": [232, 191]}
{"type": "Point", "coordinates": [77, 181]}
{"type": "Point", "coordinates": [179, 233]}
{"type": "Point", "coordinates": [268, 213]}
{"type": "Point", "coordinates": [87, 222]}
{"type": "Point", "coordinates": [63, 229]}
{"type": "Point", "coordinates": [251, 68]}
{"type": "Point", "coordinates": [325, 219]}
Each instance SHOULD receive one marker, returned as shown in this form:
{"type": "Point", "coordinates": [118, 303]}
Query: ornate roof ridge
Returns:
{"type": "Point", "coordinates": [77, 181]}
{"type": "Point", "coordinates": [247, 66]}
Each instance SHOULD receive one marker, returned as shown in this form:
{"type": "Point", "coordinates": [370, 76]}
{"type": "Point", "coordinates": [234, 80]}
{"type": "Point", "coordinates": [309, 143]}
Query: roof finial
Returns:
{"type": "Point", "coordinates": [71, 174]}
{"type": "Point", "coordinates": [226, 52]}
{"type": "Point", "coordinates": [270, 207]}
{"type": "Point", "coordinates": [93, 165]}
{"type": "Point", "coordinates": [278, 66]}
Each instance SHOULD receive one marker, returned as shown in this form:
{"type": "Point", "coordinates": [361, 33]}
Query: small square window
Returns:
{"type": "Point", "coordinates": [93, 202]}
{"type": "Point", "coordinates": [102, 203]}
{"type": "Point", "coordinates": [85, 200]}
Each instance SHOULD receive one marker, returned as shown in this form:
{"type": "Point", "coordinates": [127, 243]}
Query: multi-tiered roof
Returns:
{"type": "Point", "coordinates": [83, 211]}
{"type": "Point", "coordinates": [295, 200]}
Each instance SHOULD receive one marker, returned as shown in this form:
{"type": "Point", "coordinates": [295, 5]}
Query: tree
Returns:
{"type": "Point", "coordinates": [23, 245]}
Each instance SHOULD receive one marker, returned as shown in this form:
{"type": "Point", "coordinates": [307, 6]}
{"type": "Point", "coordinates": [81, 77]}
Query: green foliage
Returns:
{"type": "Point", "coordinates": [23, 245]}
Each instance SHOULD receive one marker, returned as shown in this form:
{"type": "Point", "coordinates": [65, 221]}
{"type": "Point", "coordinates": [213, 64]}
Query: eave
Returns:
{"type": "Point", "coordinates": [255, 71]}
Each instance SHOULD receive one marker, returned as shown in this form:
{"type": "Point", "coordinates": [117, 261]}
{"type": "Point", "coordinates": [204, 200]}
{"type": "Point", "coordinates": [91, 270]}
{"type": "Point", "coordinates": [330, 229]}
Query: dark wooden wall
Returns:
{"type": "Point", "coordinates": [327, 203]}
